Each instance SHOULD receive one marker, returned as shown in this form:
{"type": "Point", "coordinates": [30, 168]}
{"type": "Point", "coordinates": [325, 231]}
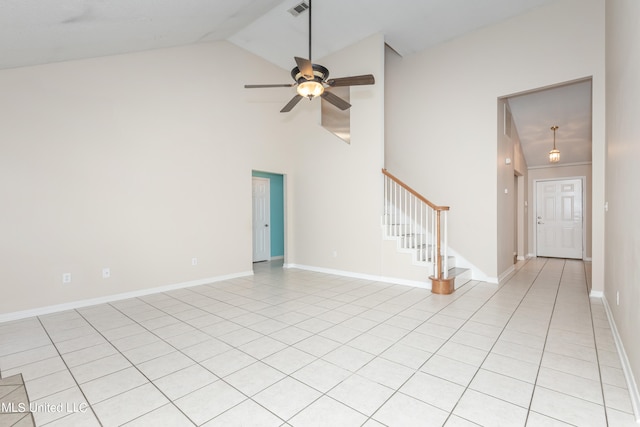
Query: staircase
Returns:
{"type": "Point", "coordinates": [419, 228]}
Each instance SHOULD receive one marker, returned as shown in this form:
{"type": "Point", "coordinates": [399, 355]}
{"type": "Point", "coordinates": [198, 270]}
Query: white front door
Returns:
{"type": "Point", "coordinates": [261, 218]}
{"type": "Point", "coordinates": [559, 218]}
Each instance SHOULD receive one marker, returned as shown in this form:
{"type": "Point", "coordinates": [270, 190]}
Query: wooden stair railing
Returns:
{"type": "Point", "coordinates": [421, 224]}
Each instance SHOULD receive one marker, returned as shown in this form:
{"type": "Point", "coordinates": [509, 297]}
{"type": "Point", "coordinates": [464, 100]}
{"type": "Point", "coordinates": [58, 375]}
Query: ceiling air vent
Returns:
{"type": "Point", "coordinates": [298, 9]}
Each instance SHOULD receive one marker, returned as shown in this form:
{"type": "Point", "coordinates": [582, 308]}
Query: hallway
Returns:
{"type": "Point", "coordinates": [290, 347]}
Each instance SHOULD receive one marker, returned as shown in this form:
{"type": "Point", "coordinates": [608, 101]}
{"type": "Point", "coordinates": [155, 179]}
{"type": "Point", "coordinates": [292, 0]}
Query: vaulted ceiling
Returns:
{"type": "Point", "coordinates": [36, 32]}
{"type": "Point", "coordinates": [567, 106]}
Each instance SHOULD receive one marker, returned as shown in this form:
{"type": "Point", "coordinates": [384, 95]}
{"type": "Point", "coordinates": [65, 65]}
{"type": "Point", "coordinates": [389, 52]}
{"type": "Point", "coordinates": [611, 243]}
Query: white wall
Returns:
{"type": "Point", "coordinates": [338, 189]}
{"type": "Point", "coordinates": [441, 112]}
{"type": "Point", "coordinates": [510, 213]}
{"type": "Point", "coordinates": [522, 204]}
{"type": "Point", "coordinates": [135, 162]}
{"type": "Point", "coordinates": [142, 162]}
{"type": "Point", "coordinates": [623, 175]}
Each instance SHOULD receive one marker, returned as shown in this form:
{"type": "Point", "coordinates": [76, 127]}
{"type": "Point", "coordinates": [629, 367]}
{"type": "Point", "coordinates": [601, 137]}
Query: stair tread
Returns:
{"type": "Point", "coordinates": [456, 271]}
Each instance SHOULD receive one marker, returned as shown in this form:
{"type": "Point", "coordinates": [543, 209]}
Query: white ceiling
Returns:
{"type": "Point", "coordinates": [566, 106]}
{"type": "Point", "coordinates": [409, 26]}
{"type": "Point", "coordinates": [38, 31]}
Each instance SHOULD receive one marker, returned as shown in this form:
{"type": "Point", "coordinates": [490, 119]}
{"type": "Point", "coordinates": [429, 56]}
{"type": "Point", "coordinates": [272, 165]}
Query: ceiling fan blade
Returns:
{"type": "Point", "coordinates": [261, 86]}
{"type": "Point", "coordinates": [291, 104]}
{"type": "Point", "coordinates": [305, 67]}
{"type": "Point", "coordinates": [335, 100]}
{"type": "Point", "coordinates": [366, 79]}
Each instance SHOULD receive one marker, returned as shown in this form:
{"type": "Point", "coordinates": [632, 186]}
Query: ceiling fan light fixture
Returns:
{"type": "Point", "coordinates": [311, 79]}
{"type": "Point", "coordinates": [554, 155]}
{"type": "Point", "coordinates": [310, 89]}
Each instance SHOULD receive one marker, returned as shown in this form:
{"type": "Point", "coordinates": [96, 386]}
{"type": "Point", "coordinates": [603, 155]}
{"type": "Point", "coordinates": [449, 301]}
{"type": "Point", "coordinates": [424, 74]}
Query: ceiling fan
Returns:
{"type": "Point", "coordinates": [312, 80]}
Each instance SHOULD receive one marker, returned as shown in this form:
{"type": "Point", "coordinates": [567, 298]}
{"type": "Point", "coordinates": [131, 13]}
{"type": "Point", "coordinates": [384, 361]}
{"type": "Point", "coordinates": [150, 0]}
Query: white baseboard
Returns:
{"type": "Point", "coordinates": [596, 294]}
{"type": "Point", "coordinates": [273, 258]}
{"type": "Point", "coordinates": [506, 273]}
{"type": "Point", "coordinates": [481, 277]}
{"type": "Point", "coordinates": [624, 360]}
{"type": "Point", "coordinates": [385, 279]}
{"type": "Point", "coordinates": [17, 315]}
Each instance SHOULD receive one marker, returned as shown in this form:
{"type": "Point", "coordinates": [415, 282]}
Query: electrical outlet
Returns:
{"type": "Point", "coordinates": [106, 273]}
{"type": "Point", "coordinates": [335, 254]}
{"type": "Point", "coordinates": [66, 278]}
{"type": "Point", "coordinates": [194, 261]}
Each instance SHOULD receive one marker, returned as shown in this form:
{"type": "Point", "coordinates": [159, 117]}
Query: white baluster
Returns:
{"type": "Point", "coordinates": [402, 210]}
{"type": "Point", "coordinates": [395, 209]}
{"type": "Point", "coordinates": [414, 222]}
{"type": "Point", "coordinates": [433, 240]}
{"type": "Point", "coordinates": [391, 196]}
{"type": "Point", "coordinates": [410, 220]}
{"type": "Point", "coordinates": [444, 249]}
{"type": "Point", "coordinates": [422, 253]}
{"type": "Point", "coordinates": [406, 218]}
{"type": "Point", "coordinates": [386, 205]}
{"type": "Point", "coordinates": [407, 215]}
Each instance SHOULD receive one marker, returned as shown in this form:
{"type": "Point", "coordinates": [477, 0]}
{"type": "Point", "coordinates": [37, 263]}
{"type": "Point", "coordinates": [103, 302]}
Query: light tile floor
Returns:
{"type": "Point", "coordinates": [299, 348]}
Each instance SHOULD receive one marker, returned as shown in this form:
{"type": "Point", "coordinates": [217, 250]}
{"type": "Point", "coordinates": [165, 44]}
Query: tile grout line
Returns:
{"type": "Point", "coordinates": [26, 414]}
{"type": "Point", "coordinates": [595, 346]}
{"type": "Point", "coordinates": [368, 417]}
{"type": "Point", "coordinates": [195, 362]}
{"type": "Point", "coordinates": [69, 370]}
{"type": "Point", "coordinates": [533, 392]}
{"type": "Point", "coordinates": [597, 360]}
{"type": "Point", "coordinates": [447, 340]}
{"type": "Point", "coordinates": [333, 288]}
{"type": "Point", "coordinates": [238, 349]}
{"type": "Point", "coordinates": [353, 373]}
{"type": "Point", "coordinates": [133, 365]}
{"type": "Point", "coordinates": [21, 351]}
{"type": "Point", "coordinates": [322, 394]}
{"type": "Point", "coordinates": [533, 281]}
{"type": "Point", "coordinates": [288, 345]}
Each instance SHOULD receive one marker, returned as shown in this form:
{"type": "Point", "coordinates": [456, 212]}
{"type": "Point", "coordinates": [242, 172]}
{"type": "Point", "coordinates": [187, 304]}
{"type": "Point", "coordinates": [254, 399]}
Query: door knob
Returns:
{"type": "Point", "coordinates": [266, 225]}
{"type": "Point", "coordinates": [540, 222]}
{"type": "Point", "coordinates": [539, 217]}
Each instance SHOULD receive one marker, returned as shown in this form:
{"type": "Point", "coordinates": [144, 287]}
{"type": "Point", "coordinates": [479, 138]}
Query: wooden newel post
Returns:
{"type": "Point", "coordinates": [440, 284]}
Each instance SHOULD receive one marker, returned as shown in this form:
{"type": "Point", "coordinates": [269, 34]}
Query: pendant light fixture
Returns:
{"type": "Point", "coordinates": [554, 155]}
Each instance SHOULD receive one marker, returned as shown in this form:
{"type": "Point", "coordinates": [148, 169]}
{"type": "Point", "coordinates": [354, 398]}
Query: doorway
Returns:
{"type": "Point", "coordinates": [268, 216]}
{"type": "Point", "coordinates": [559, 218]}
{"type": "Point", "coordinates": [261, 219]}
